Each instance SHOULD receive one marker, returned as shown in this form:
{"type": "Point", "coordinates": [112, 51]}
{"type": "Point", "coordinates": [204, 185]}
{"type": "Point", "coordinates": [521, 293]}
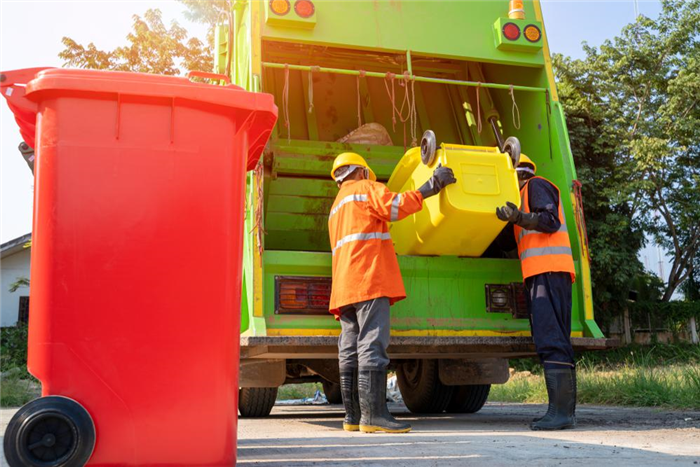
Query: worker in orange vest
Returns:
{"type": "Point", "coordinates": [548, 270]}
{"type": "Point", "coordinates": [366, 282]}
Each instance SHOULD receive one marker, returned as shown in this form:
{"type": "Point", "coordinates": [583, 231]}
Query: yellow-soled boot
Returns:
{"type": "Point", "coordinates": [351, 399]}
{"type": "Point", "coordinates": [375, 414]}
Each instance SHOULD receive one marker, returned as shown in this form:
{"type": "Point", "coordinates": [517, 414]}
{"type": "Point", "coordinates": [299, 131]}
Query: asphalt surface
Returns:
{"type": "Point", "coordinates": [496, 436]}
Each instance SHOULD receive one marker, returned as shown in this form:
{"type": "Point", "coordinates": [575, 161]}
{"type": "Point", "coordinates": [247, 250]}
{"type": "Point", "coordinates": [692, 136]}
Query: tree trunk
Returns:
{"type": "Point", "coordinates": [693, 331]}
{"type": "Point", "coordinates": [626, 324]}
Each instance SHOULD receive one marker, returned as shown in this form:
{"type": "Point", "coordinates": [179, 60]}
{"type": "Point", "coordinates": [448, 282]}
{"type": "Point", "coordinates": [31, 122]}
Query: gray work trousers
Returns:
{"type": "Point", "coordinates": [364, 335]}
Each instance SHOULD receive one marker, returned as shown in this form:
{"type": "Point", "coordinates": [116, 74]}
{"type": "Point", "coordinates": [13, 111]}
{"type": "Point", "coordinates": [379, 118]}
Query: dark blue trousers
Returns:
{"type": "Point", "coordinates": [549, 304]}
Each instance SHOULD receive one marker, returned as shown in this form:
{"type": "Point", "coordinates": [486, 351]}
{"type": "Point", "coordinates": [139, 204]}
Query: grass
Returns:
{"type": "Point", "coordinates": [298, 391]}
{"type": "Point", "coordinates": [653, 376]}
{"type": "Point", "coordinates": [17, 387]}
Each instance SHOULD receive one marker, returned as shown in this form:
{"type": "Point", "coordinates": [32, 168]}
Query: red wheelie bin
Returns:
{"type": "Point", "coordinates": [136, 265]}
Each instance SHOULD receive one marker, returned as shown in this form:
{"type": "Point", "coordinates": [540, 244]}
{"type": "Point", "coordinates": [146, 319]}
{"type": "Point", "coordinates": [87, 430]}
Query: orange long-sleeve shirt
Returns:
{"type": "Point", "coordinates": [364, 261]}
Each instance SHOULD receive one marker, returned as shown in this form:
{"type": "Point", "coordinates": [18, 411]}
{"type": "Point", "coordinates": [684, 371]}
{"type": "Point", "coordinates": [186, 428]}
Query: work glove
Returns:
{"type": "Point", "coordinates": [442, 176]}
{"type": "Point", "coordinates": [511, 213]}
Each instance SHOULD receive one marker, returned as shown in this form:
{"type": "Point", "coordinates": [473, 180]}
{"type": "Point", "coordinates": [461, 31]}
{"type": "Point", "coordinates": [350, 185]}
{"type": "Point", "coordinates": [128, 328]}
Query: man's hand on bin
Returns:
{"type": "Point", "coordinates": [511, 213]}
{"type": "Point", "coordinates": [442, 176]}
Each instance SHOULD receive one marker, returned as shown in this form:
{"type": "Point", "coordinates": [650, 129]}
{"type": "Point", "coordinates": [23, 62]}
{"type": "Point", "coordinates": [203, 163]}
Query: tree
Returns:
{"type": "Point", "coordinates": [152, 46]}
{"type": "Point", "coordinates": [614, 235]}
{"type": "Point", "coordinates": [648, 91]}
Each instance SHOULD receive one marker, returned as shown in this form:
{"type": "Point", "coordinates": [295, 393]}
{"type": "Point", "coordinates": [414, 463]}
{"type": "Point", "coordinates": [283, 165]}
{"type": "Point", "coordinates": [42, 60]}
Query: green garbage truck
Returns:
{"type": "Point", "coordinates": [371, 77]}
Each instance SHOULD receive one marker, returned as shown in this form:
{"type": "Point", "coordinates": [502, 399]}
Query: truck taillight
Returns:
{"type": "Point", "coordinates": [507, 298]}
{"type": "Point", "coordinates": [302, 295]}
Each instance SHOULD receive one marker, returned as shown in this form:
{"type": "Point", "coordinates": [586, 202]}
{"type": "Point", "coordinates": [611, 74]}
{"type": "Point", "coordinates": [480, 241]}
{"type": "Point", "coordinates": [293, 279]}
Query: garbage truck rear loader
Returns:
{"type": "Point", "coordinates": [372, 77]}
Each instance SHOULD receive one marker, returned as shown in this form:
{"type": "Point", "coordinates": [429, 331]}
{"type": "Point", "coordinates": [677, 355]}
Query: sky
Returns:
{"type": "Point", "coordinates": [31, 32]}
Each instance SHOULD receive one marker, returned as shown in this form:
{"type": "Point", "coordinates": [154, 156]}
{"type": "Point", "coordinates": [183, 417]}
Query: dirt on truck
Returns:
{"type": "Point", "coordinates": [372, 78]}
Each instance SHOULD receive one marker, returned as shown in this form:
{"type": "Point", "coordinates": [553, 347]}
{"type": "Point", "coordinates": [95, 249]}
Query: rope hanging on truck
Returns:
{"type": "Point", "coordinates": [392, 98]}
{"type": "Point", "coordinates": [515, 110]}
{"type": "Point", "coordinates": [258, 224]}
{"type": "Point", "coordinates": [580, 217]}
{"type": "Point", "coordinates": [478, 107]}
{"type": "Point", "coordinates": [311, 92]}
{"type": "Point", "coordinates": [285, 104]}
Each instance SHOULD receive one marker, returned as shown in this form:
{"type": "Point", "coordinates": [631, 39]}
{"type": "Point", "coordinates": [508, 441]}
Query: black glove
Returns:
{"type": "Point", "coordinates": [442, 176]}
{"type": "Point", "coordinates": [511, 213]}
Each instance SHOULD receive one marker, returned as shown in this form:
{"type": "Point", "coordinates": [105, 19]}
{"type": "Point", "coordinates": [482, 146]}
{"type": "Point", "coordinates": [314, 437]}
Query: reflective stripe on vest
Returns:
{"type": "Point", "coordinates": [346, 200]}
{"type": "Point", "coordinates": [546, 250]}
{"type": "Point", "coordinates": [361, 237]}
{"type": "Point", "coordinates": [523, 232]}
{"type": "Point", "coordinates": [395, 207]}
{"type": "Point", "coordinates": [542, 252]}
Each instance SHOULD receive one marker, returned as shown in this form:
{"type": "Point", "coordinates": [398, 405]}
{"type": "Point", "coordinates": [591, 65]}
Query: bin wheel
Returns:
{"type": "Point", "coordinates": [468, 398]}
{"type": "Point", "coordinates": [51, 431]}
{"type": "Point", "coordinates": [256, 402]}
{"type": "Point", "coordinates": [332, 392]}
{"type": "Point", "coordinates": [421, 388]}
{"type": "Point", "coordinates": [512, 147]}
{"type": "Point", "coordinates": [428, 146]}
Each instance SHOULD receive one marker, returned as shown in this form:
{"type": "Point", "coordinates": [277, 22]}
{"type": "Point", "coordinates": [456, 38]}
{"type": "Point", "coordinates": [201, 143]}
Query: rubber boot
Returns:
{"type": "Point", "coordinates": [375, 414]}
{"type": "Point", "coordinates": [351, 399]}
{"type": "Point", "coordinates": [561, 389]}
{"type": "Point", "coordinates": [550, 399]}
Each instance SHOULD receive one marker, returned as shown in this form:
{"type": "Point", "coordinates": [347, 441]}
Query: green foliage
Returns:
{"type": "Point", "coordinates": [152, 48]}
{"type": "Point", "coordinates": [644, 376]}
{"type": "Point", "coordinates": [633, 113]}
{"type": "Point", "coordinates": [614, 236]}
{"type": "Point", "coordinates": [298, 391]}
{"type": "Point", "coordinates": [19, 283]}
{"type": "Point", "coordinates": [13, 347]}
{"type": "Point", "coordinates": [17, 388]}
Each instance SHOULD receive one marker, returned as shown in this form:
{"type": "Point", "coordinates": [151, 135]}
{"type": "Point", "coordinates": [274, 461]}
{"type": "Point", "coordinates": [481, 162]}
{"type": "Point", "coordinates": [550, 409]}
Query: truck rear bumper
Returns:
{"type": "Point", "coordinates": [408, 347]}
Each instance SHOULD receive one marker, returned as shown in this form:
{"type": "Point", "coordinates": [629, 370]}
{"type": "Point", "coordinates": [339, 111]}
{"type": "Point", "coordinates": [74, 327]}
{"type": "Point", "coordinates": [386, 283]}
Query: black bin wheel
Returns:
{"type": "Point", "coordinates": [512, 147]}
{"type": "Point", "coordinates": [52, 431]}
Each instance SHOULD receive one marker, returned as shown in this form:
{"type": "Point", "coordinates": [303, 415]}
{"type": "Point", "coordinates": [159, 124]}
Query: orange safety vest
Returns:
{"type": "Point", "coordinates": [541, 252]}
{"type": "Point", "coordinates": [364, 261]}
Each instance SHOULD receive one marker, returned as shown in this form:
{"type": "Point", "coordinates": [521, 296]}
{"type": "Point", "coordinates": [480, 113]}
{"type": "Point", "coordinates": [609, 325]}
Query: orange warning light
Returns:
{"type": "Point", "coordinates": [280, 7]}
{"type": "Point", "coordinates": [532, 33]}
{"type": "Point", "coordinates": [516, 10]}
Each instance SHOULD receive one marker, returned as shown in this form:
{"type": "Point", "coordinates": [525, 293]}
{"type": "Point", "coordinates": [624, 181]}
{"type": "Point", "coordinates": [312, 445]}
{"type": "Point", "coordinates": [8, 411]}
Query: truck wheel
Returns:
{"type": "Point", "coordinates": [332, 392]}
{"type": "Point", "coordinates": [256, 402]}
{"type": "Point", "coordinates": [51, 431]}
{"type": "Point", "coordinates": [421, 388]}
{"type": "Point", "coordinates": [468, 398]}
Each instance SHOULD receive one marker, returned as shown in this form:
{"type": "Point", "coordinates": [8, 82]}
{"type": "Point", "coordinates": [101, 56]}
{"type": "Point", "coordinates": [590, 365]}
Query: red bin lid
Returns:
{"type": "Point", "coordinates": [24, 88]}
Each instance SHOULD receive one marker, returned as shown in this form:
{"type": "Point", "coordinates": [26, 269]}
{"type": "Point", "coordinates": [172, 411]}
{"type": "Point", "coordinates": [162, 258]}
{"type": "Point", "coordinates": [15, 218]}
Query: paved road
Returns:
{"type": "Point", "coordinates": [496, 436]}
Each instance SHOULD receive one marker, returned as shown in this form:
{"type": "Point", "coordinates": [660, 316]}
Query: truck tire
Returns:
{"type": "Point", "coordinates": [256, 402]}
{"type": "Point", "coordinates": [332, 392]}
{"type": "Point", "coordinates": [468, 398]}
{"type": "Point", "coordinates": [421, 388]}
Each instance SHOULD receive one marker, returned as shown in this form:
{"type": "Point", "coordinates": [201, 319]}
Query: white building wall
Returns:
{"type": "Point", "coordinates": [13, 266]}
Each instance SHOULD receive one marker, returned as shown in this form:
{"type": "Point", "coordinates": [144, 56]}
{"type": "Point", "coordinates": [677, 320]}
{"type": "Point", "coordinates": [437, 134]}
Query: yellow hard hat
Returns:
{"type": "Point", "coordinates": [351, 158]}
{"type": "Point", "coordinates": [524, 160]}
